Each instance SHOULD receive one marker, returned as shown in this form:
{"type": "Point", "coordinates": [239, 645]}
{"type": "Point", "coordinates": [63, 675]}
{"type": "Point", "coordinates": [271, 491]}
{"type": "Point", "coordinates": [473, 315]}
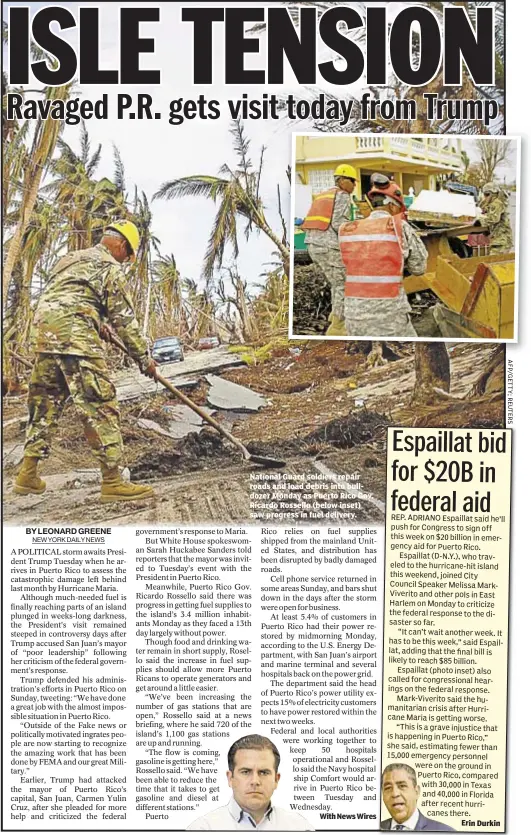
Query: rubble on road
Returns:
{"type": "Point", "coordinates": [132, 385]}
{"type": "Point", "coordinates": [181, 420]}
{"type": "Point", "coordinates": [197, 451]}
{"type": "Point", "coordinates": [146, 423]}
{"type": "Point", "coordinates": [223, 394]}
{"type": "Point", "coordinates": [311, 414]}
{"type": "Point", "coordinates": [136, 386]}
{"type": "Point", "coordinates": [349, 431]}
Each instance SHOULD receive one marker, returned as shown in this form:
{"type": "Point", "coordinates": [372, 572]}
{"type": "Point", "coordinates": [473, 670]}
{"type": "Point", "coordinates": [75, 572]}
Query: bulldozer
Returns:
{"type": "Point", "coordinates": [476, 292]}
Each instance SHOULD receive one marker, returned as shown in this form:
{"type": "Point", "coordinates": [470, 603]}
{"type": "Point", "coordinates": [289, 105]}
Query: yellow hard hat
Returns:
{"type": "Point", "coordinates": [129, 232]}
{"type": "Point", "coordinates": [345, 170]}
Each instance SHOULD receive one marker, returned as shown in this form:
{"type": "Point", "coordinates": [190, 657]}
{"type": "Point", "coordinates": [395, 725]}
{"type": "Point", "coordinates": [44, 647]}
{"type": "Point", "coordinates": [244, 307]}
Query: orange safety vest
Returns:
{"type": "Point", "coordinates": [371, 250]}
{"type": "Point", "coordinates": [321, 211]}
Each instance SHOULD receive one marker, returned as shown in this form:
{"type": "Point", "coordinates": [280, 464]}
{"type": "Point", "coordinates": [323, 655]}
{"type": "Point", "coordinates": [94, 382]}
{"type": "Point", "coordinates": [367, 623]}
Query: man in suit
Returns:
{"type": "Point", "coordinates": [253, 776]}
{"type": "Point", "coordinates": [400, 792]}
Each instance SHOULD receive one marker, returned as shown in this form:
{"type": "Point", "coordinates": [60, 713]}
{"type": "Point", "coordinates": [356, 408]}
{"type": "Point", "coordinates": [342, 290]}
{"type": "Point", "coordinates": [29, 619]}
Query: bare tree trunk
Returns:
{"type": "Point", "coordinates": [495, 365]}
{"type": "Point", "coordinates": [432, 371]}
{"type": "Point", "coordinates": [262, 224]}
{"type": "Point", "coordinates": [248, 326]}
{"type": "Point", "coordinates": [15, 244]}
{"type": "Point", "coordinates": [43, 148]}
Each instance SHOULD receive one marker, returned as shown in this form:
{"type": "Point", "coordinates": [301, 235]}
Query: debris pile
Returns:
{"type": "Point", "coordinates": [422, 305]}
{"type": "Point", "coordinates": [481, 414]}
{"type": "Point", "coordinates": [350, 430]}
{"type": "Point", "coordinates": [197, 451]}
{"type": "Point", "coordinates": [322, 399]}
{"type": "Point", "coordinates": [300, 367]}
{"type": "Point", "coordinates": [311, 300]}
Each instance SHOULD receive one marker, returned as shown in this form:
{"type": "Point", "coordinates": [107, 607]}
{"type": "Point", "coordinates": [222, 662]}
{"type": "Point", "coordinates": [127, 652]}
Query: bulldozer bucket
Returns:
{"type": "Point", "coordinates": [485, 298]}
{"type": "Point", "coordinates": [479, 289]}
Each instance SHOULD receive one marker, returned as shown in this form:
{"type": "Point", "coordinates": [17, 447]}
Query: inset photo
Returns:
{"type": "Point", "coordinates": [404, 237]}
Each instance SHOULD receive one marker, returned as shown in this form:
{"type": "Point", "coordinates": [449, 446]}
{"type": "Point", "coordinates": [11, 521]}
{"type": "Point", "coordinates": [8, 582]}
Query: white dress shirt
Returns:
{"type": "Point", "coordinates": [410, 824]}
{"type": "Point", "coordinates": [231, 817]}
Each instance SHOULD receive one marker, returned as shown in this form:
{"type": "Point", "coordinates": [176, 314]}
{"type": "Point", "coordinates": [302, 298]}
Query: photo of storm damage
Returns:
{"type": "Point", "coordinates": [405, 236]}
{"type": "Point", "coordinates": [186, 399]}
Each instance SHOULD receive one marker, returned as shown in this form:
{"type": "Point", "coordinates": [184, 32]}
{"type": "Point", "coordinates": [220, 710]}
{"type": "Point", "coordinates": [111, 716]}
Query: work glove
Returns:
{"type": "Point", "coordinates": [148, 366]}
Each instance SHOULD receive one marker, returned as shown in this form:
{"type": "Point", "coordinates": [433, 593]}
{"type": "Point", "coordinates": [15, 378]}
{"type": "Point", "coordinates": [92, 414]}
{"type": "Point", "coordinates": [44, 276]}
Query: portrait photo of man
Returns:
{"type": "Point", "coordinates": [400, 794]}
{"type": "Point", "coordinates": [253, 776]}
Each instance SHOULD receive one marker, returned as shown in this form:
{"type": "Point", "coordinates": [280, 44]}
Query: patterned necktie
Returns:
{"type": "Point", "coordinates": [399, 827]}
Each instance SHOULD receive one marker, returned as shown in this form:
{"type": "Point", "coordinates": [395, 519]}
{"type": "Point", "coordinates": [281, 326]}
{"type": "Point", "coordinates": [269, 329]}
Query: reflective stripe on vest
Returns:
{"type": "Point", "coordinates": [368, 238]}
{"type": "Point", "coordinates": [372, 253]}
{"type": "Point", "coordinates": [321, 211]}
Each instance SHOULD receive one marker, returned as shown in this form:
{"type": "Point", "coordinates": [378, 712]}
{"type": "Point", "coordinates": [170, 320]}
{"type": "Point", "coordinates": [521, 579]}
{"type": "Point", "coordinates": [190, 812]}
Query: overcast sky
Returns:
{"type": "Point", "coordinates": [505, 171]}
{"type": "Point", "coordinates": [155, 151]}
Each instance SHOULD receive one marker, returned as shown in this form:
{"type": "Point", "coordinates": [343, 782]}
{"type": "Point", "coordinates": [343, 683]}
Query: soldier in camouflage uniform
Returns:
{"type": "Point", "coordinates": [85, 289]}
{"type": "Point", "coordinates": [496, 217]}
{"type": "Point", "coordinates": [387, 317]}
{"type": "Point", "coordinates": [323, 247]}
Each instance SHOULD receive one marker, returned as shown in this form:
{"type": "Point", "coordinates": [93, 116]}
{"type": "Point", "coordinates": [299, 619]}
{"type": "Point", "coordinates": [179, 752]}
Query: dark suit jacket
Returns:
{"type": "Point", "coordinates": [423, 824]}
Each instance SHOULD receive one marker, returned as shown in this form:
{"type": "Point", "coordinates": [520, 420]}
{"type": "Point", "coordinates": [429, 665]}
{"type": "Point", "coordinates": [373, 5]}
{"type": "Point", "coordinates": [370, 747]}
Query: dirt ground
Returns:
{"type": "Point", "coordinates": [327, 411]}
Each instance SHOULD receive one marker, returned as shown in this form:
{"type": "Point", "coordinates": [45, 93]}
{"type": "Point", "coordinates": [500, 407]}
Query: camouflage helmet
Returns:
{"type": "Point", "coordinates": [490, 188]}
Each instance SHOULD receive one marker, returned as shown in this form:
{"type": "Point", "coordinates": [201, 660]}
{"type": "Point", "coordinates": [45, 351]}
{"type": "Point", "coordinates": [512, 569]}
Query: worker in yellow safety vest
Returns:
{"type": "Point", "coordinates": [328, 211]}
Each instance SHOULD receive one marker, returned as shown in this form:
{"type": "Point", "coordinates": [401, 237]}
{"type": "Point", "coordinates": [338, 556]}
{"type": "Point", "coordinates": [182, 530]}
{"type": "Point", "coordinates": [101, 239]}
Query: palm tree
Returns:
{"type": "Point", "coordinates": [38, 242]}
{"type": "Point", "coordinates": [87, 204]}
{"type": "Point", "coordinates": [201, 309]}
{"type": "Point", "coordinates": [271, 306]}
{"type": "Point", "coordinates": [432, 371]}
{"type": "Point", "coordinates": [240, 299]}
{"type": "Point", "coordinates": [168, 295]}
{"type": "Point", "coordinates": [43, 145]}
{"type": "Point", "coordinates": [398, 90]}
{"type": "Point", "coordinates": [14, 159]}
{"type": "Point", "coordinates": [237, 193]}
{"type": "Point", "coordinates": [73, 187]}
{"type": "Point", "coordinates": [140, 279]}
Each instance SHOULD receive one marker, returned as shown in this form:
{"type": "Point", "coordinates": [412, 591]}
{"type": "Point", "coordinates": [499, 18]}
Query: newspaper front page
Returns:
{"type": "Point", "coordinates": [262, 362]}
